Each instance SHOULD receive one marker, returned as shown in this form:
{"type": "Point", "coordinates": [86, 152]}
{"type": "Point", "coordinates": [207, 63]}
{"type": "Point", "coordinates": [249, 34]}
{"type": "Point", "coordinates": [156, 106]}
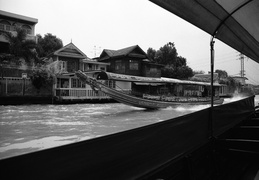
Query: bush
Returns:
{"type": "Point", "coordinates": [41, 78]}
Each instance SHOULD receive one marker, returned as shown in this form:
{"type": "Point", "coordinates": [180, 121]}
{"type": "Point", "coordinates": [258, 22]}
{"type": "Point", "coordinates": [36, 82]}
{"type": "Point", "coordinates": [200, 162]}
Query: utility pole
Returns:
{"type": "Point", "coordinates": [242, 71]}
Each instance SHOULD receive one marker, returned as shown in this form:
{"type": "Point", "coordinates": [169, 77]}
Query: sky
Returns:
{"type": "Point", "coordinates": [94, 25]}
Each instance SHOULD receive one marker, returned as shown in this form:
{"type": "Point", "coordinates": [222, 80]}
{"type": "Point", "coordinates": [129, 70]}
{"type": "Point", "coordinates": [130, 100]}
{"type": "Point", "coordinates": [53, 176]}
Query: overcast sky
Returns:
{"type": "Point", "coordinates": [94, 25]}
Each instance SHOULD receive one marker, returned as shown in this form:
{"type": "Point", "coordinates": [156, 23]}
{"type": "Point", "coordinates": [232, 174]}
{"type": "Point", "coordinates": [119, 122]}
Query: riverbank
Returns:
{"type": "Point", "coordinates": [21, 100]}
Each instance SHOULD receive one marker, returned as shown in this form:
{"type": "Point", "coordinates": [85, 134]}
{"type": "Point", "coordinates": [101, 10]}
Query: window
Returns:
{"type": "Point", "coordinates": [5, 25]}
{"type": "Point", "coordinates": [133, 65]}
{"type": "Point", "coordinates": [62, 65]}
{"type": "Point", "coordinates": [74, 83]}
{"type": "Point", "coordinates": [62, 83]}
{"type": "Point", "coordinates": [110, 83]}
{"type": "Point", "coordinates": [153, 70]}
{"type": "Point", "coordinates": [118, 65]}
{"type": "Point", "coordinates": [27, 28]}
{"type": "Point", "coordinates": [77, 83]}
{"type": "Point", "coordinates": [1, 27]}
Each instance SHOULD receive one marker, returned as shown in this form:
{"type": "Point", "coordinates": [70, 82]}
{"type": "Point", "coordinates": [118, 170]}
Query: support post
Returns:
{"type": "Point", "coordinates": [211, 86]}
{"type": "Point", "coordinates": [212, 68]}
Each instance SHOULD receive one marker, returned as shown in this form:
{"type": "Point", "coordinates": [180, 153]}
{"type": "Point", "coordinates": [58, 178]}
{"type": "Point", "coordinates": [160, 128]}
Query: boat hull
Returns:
{"type": "Point", "coordinates": [150, 104]}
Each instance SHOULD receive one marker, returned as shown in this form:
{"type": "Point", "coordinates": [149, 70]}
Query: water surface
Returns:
{"type": "Point", "coordinates": [28, 128]}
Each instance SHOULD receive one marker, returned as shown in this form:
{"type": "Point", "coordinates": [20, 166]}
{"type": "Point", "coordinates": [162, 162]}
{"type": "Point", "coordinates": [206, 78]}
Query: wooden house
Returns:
{"type": "Point", "coordinates": [67, 87]}
{"type": "Point", "coordinates": [130, 61]}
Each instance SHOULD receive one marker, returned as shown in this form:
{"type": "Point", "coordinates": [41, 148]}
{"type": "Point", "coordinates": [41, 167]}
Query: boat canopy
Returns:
{"type": "Point", "coordinates": [235, 22]}
{"type": "Point", "coordinates": [139, 79]}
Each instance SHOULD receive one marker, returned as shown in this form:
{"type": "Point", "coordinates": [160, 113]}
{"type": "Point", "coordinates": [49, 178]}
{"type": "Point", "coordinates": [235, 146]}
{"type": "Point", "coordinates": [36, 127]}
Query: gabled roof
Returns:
{"type": "Point", "coordinates": [70, 50]}
{"type": "Point", "coordinates": [132, 51]}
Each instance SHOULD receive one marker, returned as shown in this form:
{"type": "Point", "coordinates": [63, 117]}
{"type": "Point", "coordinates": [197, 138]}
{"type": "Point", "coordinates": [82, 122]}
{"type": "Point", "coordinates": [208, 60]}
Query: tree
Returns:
{"type": "Point", "coordinates": [198, 72]}
{"type": "Point", "coordinates": [175, 66]}
{"type": "Point", "coordinates": [166, 54]}
{"type": "Point", "coordinates": [19, 46]}
{"type": "Point", "coordinates": [151, 53]}
{"type": "Point", "coordinates": [48, 44]}
{"type": "Point", "coordinates": [221, 74]}
{"type": "Point", "coordinates": [184, 72]}
{"type": "Point", "coordinates": [181, 72]}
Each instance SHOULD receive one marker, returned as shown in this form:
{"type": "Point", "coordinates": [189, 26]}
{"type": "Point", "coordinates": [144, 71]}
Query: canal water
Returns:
{"type": "Point", "coordinates": [28, 128]}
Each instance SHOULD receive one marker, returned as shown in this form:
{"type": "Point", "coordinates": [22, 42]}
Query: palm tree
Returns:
{"type": "Point", "coordinates": [19, 46]}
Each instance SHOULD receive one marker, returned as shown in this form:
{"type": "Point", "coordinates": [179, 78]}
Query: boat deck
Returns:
{"type": "Point", "coordinates": [234, 155]}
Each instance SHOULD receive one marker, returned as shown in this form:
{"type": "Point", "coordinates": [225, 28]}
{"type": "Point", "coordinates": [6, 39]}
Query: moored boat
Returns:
{"type": "Point", "coordinates": [151, 93]}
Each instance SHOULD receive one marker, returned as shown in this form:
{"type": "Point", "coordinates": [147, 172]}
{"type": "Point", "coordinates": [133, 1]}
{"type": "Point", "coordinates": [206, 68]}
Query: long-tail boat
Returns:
{"type": "Point", "coordinates": [152, 93]}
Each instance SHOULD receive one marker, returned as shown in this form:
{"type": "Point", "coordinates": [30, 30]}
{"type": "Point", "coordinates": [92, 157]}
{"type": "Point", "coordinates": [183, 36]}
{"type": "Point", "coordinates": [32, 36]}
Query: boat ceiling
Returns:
{"type": "Point", "coordinates": [143, 80]}
{"type": "Point", "coordinates": [235, 22]}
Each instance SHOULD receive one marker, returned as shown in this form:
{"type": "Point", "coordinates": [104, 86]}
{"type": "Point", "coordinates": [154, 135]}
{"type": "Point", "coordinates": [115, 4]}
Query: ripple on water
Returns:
{"type": "Point", "coordinates": [66, 123]}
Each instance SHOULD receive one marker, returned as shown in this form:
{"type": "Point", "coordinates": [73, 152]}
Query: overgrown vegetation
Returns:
{"type": "Point", "coordinates": [21, 49]}
{"type": "Point", "coordinates": [41, 78]}
{"type": "Point", "coordinates": [48, 44]}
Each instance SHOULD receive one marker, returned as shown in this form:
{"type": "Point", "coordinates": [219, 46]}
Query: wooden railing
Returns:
{"type": "Point", "coordinates": [68, 93]}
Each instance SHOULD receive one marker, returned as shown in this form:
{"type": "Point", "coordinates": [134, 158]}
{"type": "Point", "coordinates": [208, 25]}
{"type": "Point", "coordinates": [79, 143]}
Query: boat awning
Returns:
{"type": "Point", "coordinates": [149, 84]}
{"type": "Point", "coordinates": [146, 80]}
{"type": "Point", "coordinates": [235, 22]}
{"type": "Point", "coordinates": [122, 77]}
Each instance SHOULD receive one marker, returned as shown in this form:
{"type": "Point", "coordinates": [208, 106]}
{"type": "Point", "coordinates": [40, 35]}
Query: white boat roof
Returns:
{"type": "Point", "coordinates": [140, 79]}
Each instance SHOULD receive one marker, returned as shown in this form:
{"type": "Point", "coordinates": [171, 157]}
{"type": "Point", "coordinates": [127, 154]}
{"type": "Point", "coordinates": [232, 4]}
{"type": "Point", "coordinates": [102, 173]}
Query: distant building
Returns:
{"type": "Point", "coordinates": [244, 88]}
{"type": "Point", "coordinates": [239, 79]}
{"type": "Point", "coordinates": [9, 21]}
{"type": "Point", "coordinates": [223, 90]}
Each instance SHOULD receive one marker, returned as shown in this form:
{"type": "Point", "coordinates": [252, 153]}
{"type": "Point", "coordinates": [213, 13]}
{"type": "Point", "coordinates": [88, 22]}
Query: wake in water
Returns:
{"type": "Point", "coordinates": [192, 108]}
{"type": "Point", "coordinates": [234, 98]}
